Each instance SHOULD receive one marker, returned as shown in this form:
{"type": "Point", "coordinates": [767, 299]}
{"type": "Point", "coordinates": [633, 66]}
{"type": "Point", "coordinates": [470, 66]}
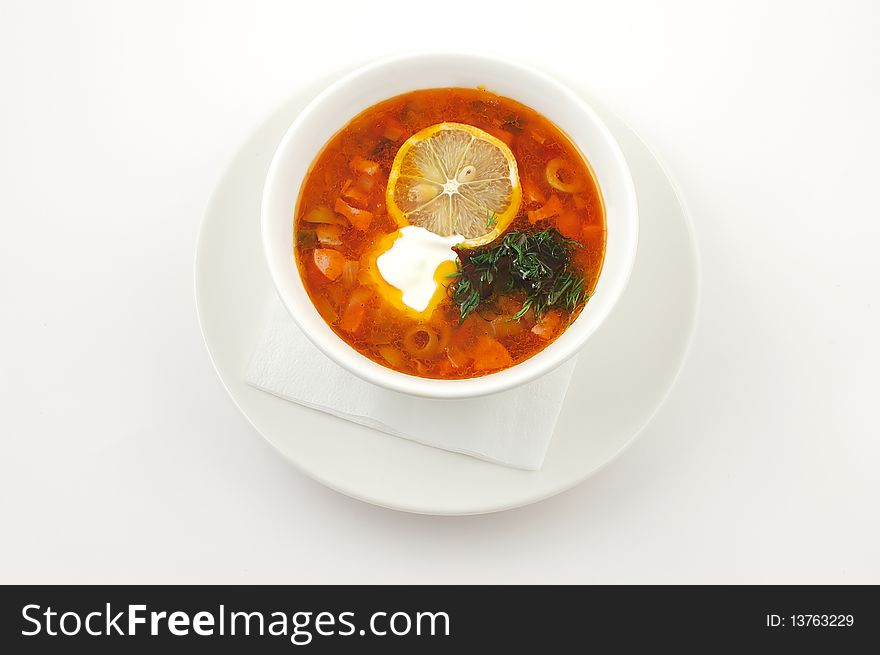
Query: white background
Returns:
{"type": "Point", "coordinates": [123, 460]}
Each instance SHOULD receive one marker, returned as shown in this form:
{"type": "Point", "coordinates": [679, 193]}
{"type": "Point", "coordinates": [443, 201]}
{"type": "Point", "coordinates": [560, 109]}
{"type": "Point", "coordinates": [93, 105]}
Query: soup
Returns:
{"type": "Point", "coordinates": [449, 233]}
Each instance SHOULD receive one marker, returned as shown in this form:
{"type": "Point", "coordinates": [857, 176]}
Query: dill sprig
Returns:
{"type": "Point", "coordinates": [536, 263]}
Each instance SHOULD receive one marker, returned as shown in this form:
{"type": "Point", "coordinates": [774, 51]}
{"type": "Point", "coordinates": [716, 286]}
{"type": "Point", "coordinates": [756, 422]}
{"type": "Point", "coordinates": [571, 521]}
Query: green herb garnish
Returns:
{"type": "Point", "coordinates": [536, 263]}
{"type": "Point", "coordinates": [491, 219]}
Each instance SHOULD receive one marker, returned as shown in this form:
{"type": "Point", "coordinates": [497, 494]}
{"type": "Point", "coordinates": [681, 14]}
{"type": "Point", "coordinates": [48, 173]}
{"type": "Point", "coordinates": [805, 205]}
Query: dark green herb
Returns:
{"type": "Point", "coordinates": [491, 219]}
{"type": "Point", "coordinates": [536, 263]}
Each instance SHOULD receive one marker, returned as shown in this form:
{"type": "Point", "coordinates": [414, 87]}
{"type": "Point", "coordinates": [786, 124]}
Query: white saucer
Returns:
{"type": "Point", "coordinates": [623, 374]}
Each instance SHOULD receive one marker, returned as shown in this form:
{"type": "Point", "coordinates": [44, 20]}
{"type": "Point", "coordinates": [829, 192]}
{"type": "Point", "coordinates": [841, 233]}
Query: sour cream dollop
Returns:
{"type": "Point", "coordinates": [411, 261]}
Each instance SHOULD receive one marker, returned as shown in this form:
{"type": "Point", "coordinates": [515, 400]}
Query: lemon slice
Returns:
{"type": "Point", "coordinates": [453, 178]}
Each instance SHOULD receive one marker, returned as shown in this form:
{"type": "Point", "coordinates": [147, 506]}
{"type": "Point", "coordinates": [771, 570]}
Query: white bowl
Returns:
{"type": "Point", "coordinates": [343, 100]}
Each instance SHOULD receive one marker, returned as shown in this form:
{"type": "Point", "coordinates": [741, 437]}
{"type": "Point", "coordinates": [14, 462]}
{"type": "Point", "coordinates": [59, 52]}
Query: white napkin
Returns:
{"type": "Point", "coordinates": [512, 428]}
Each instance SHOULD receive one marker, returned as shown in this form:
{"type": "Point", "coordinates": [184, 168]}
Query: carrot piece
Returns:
{"type": "Point", "coordinates": [361, 165]}
{"type": "Point", "coordinates": [551, 208]}
{"type": "Point", "coordinates": [360, 218]}
{"type": "Point", "coordinates": [356, 194]}
{"type": "Point", "coordinates": [353, 314]}
{"type": "Point", "coordinates": [569, 224]}
{"type": "Point", "coordinates": [548, 326]}
{"type": "Point", "coordinates": [489, 355]}
{"type": "Point", "coordinates": [531, 193]}
{"type": "Point", "coordinates": [393, 129]}
{"type": "Point", "coordinates": [329, 262]}
{"type": "Point", "coordinates": [592, 231]}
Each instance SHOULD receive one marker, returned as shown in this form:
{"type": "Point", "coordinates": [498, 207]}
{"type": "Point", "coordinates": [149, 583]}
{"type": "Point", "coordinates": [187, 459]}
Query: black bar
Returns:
{"type": "Point", "coordinates": [541, 618]}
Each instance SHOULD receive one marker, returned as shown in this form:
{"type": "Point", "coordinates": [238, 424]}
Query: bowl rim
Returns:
{"type": "Point", "coordinates": [340, 352]}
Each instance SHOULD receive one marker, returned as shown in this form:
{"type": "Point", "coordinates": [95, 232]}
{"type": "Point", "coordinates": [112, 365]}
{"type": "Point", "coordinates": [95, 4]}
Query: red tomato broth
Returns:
{"type": "Point", "coordinates": [354, 167]}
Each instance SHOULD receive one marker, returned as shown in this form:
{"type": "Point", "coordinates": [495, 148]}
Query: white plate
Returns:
{"type": "Point", "coordinates": [623, 374]}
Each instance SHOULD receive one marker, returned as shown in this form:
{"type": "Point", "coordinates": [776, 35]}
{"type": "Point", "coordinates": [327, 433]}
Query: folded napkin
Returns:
{"type": "Point", "coordinates": [512, 428]}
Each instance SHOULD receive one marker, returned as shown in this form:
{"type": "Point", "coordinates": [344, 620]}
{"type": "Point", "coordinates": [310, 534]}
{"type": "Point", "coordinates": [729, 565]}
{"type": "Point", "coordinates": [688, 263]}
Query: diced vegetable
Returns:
{"type": "Point", "coordinates": [413, 110]}
{"type": "Point", "coordinates": [557, 169]}
{"type": "Point", "coordinates": [356, 194]}
{"type": "Point", "coordinates": [548, 326]}
{"type": "Point", "coordinates": [508, 304]}
{"type": "Point", "coordinates": [328, 235]}
{"type": "Point", "coordinates": [570, 224]}
{"type": "Point", "coordinates": [322, 214]}
{"type": "Point", "coordinates": [381, 335]}
{"type": "Point", "coordinates": [326, 309]}
{"type": "Point", "coordinates": [350, 273]}
{"type": "Point", "coordinates": [392, 355]}
{"type": "Point", "coordinates": [490, 355]}
{"type": "Point", "coordinates": [337, 294]}
{"type": "Point", "coordinates": [329, 262]}
{"type": "Point", "coordinates": [393, 129]}
{"type": "Point", "coordinates": [505, 326]}
{"type": "Point", "coordinates": [355, 308]}
{"type": "Point", "coordinates": [365, 182]}
{"type": "Point", "coordinates": [360, 218]}
{"type": "Point", "coordinates": [483, 322]}
{"type": "Point", "coordinates": [361, 165]}
{"type": "Point", "coordinates": [531, 194]}
{"type": "Point", "coordinates": [551, 208]}
{"type": "Point", "coordinates": [306, 239]}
